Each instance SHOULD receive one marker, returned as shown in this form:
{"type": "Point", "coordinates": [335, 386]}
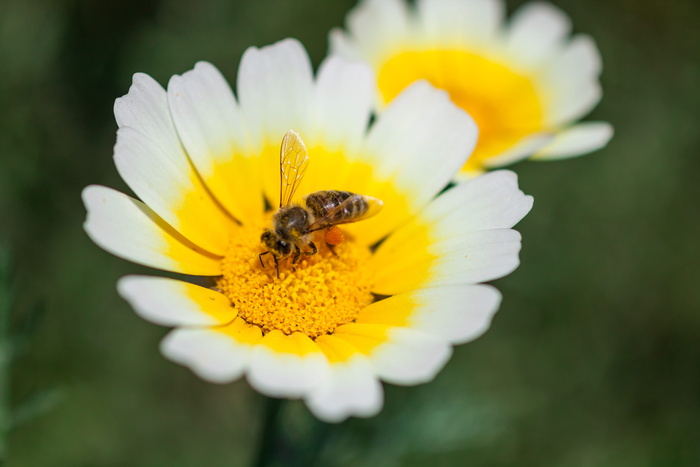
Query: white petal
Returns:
{"type": "Point", "coordinates": [206, 115]}
{"type": "Point", "coordinates": [211, 128]}
{"type": "Point", "coordinates": [460, 22]}
{"type": "Point", "coordinates": [520, 150]}
{"type": "Point", "coordinates": [374, 22]}
{"type": "Point", "coordinates": [577, 140]}
{"type": "Point", "coordinates": [467, 259]}
{"type": "Point", "coordinates": [575, 102]}
{"type": "Point", "coordinates": [344, 98]}
{"type": "Point", "coordinates": [461, 237]}
{"type": "Point", "coordinates": [457, 313]}
{"type": "Point", "coordinates": [285, 373]}
{"type": "Point", "coordinates": [420, 141]}
{"type": "Point", "coordinates": [169, 186]}
{"type": "Point", "coordinates": [275, 89]}
{"type": "Point", "coordinates": [411, 357]}
{"type": "Point", "coordinates": [341, 44]}
{"type": "Point", "coordinates": [145, 108]}
{"type": "Point", "coordinates": [350, 388]}
{"type": "Point", "coordinates": [536, 31]}
{"type": "Point", "coordinates": [478, 257]}
{"type": "Point", "coordinates": [579, 61]}
{"type": "Point", "coordinates": [491, 201]}
{"type": "Point", "coordinates": [129, 229]}
{"type": "Point", "coordinates": [171, 302]}
{"type": "Point", "coordinates": [571, 82]}
{"type": "Point", "coordinates": [150, 159]}
{"type": "Point", "coordinates": [406, 356]}
{"type": "Point", "coordinates": [212, 355]}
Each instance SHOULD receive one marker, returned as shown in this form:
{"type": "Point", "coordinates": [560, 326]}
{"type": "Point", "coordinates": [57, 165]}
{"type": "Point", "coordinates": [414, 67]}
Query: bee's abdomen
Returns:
{"type": "Point", "coordinates": [324, 204]}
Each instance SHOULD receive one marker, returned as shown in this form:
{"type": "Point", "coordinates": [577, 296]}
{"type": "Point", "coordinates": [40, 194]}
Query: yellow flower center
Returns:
{"type": "Point", "coordinates": [504, 104]}
{"type": "Point", "coordinates": [313, 296]}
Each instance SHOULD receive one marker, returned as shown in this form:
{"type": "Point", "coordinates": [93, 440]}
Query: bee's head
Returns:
{"type": "Point", "coordinates": [275, 244]}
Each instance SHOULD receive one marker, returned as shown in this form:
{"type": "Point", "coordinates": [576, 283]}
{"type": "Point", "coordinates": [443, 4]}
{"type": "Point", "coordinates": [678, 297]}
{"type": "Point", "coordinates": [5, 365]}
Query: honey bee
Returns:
{"type": "Point", "coordinates": [293, 224]}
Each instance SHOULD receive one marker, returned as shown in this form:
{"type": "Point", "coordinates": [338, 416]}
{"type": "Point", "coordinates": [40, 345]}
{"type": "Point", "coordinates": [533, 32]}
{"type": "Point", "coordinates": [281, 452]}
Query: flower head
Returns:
{"type": "Point", "coordinates": [334, 323]}
{"type": "Point", "coordinates": [525, 83]}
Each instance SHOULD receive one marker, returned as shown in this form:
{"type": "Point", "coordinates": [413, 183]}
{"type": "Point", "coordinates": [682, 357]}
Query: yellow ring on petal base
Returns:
{"type": "Point", "coordinates": [504, 104]}
{"type": "Point", "coordinates": [313, 297]}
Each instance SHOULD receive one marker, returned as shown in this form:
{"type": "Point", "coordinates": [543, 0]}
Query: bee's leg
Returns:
{"type": "Point", "coordinates": [331, 248]}
{"type": "Point", "coordinates": [313, 251]}
{"type": "Point", "coordinates": [297, 254]}
{"type": "Point", "coordinates": [260, 258]}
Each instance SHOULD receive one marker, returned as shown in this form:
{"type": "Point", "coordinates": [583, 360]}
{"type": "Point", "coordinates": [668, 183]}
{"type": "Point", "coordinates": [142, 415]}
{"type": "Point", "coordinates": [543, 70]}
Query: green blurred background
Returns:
{"type": "Point", "coordinates": [593, 360]}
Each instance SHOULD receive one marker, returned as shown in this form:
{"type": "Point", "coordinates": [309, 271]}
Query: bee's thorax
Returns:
{"type": "Point", "coordinates": [291, 222]}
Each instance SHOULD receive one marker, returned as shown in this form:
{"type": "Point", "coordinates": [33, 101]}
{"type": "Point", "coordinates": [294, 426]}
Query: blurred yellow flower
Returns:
{"type": "Point", "coordinates": [203, 162]}
{"type": "Point", "coordinates": [525, 83]}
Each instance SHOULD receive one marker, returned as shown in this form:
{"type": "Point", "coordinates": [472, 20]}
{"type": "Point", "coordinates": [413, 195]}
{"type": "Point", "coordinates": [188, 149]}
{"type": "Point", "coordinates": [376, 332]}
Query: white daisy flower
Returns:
{"type": "Point", "coordinates": [526, 83]}
{"type": "Point", "coordinates": [333, 324]}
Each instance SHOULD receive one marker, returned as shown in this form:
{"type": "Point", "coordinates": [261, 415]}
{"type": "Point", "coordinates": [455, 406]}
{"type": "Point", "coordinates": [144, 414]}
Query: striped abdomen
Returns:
{"type": "Point", "coordinates": [336, 207]}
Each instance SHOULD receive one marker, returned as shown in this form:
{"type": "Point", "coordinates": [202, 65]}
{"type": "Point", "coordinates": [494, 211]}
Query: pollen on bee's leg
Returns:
{"type": "Point", "coordinates": [334, 236]}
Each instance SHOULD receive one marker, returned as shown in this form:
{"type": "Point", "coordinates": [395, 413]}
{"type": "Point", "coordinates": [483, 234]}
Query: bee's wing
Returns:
{"type": "Point", "coordinates": [373, 207]}
{"type": "Point", "coordinates": [293, 162]}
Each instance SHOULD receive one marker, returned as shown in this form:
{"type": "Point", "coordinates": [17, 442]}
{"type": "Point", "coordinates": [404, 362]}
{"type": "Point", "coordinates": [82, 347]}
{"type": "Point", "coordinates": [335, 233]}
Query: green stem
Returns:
{"type": "Point", "coordinates": [270, 432]}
